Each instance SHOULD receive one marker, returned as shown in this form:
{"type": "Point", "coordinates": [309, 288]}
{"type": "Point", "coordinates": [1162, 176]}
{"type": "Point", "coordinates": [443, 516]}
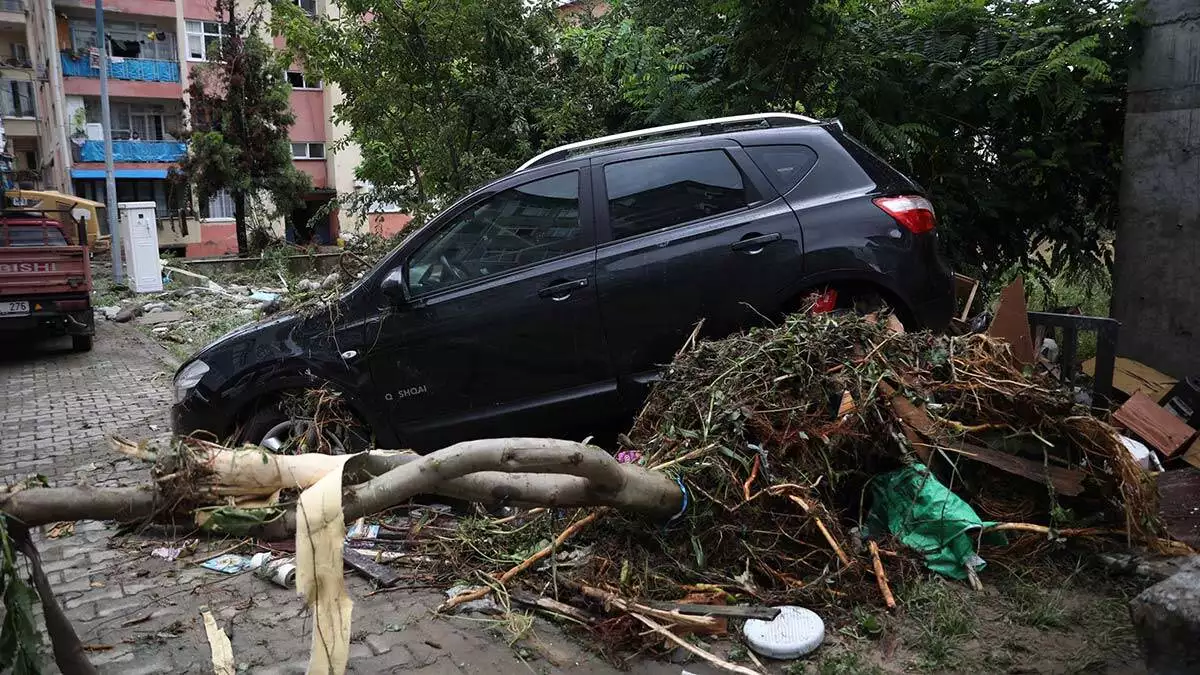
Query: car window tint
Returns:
{"type": "Point", "coordinates": [520, 226]}
{"type": "Point", "coordinates": [657, 192]}
{"type": "Point", "coordinates": [785, 165]}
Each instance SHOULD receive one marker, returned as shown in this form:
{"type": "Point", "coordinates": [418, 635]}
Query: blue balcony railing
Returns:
{"type": "Point", "coordinates": [134, 151]}
{"type": "Point", "coordinates": [140, 70]}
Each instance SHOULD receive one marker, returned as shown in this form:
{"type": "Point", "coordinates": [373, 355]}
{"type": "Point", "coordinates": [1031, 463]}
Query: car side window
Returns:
{"type": "Point", "coordinates": [521, 226]}
{"type": "Point", "coordinates": [656, 192]}
{"type": "Point", "coordinates": [785, 165]}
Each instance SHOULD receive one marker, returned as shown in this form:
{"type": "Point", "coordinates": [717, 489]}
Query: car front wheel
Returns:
{"type": "Point", "coordinates": [284, 428]}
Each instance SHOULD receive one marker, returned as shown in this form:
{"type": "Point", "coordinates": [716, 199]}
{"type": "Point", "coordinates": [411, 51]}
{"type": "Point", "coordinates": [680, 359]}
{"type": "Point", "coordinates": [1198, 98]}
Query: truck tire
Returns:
{"type": "Point", "coordinates": [82, 343]}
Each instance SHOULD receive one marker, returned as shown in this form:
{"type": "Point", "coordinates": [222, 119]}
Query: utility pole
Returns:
{"type": "Point", "coordinates": [110, 181]}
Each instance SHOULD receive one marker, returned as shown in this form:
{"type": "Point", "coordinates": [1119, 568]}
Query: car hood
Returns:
{"type": "Point", "coordinates": [275, 328]}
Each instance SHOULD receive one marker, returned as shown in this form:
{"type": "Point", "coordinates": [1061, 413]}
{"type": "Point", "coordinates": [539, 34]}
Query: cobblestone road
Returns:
{"type": "Point", "coordinates": [141, 613]}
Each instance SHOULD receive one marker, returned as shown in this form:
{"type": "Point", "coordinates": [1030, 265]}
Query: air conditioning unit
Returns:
{"type": "Point", "coordinates": [95, 131]}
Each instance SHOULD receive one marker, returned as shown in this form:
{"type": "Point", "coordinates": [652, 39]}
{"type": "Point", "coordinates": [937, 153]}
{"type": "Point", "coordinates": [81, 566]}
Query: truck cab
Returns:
{"type": "Point", "coordinates": [45, 278]}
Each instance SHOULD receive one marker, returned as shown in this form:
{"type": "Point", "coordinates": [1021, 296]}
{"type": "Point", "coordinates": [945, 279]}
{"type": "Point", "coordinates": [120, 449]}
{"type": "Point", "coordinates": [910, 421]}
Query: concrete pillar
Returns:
{"type": "Point", "coordinates": [1156, 293]}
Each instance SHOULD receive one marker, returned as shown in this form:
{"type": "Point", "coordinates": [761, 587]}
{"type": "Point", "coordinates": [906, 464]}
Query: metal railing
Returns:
{"type": "Point", "coordinates": [1070, 325]}
{"type": "Point", "coordinates": [138, 70]}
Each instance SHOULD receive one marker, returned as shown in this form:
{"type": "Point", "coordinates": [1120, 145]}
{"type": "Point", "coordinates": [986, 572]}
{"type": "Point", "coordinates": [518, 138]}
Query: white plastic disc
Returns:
{"type": "Point", "coordinates": [792, 634]}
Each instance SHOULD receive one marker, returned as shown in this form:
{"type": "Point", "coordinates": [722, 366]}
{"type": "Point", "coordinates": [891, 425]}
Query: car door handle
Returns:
{"type": "Point", "coordinates": [562, 290]}
{"type": "Point", "coordinates": [754, 243]}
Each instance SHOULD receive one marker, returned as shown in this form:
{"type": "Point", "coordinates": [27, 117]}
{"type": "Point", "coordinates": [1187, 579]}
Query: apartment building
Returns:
{"type": "Point", "coordinates": [50, 102]}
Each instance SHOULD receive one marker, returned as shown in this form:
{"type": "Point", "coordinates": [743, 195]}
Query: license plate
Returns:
{"type": "Point", "coordinates": [14, 307]}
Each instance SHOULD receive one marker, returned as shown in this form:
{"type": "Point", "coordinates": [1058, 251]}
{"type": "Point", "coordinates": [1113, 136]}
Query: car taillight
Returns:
{"type": "Point", "coordinates": [915, 213]}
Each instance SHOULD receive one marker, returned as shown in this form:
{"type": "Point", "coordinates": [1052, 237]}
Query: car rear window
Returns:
{"type": "Point", "coordinates": [785, 165]}
{"type": "Point", "coordinates": [657, 192]}
{"type": "Point", "coordinates": [31, 235]}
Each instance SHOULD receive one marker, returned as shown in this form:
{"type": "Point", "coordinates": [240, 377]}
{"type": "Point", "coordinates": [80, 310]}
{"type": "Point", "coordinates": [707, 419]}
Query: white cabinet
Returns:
{"type": "Point", "coordinates": [139, 243]}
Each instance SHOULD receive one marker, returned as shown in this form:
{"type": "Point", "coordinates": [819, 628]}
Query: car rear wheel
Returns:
{"type": "Point", "coordinates": [82, 343]}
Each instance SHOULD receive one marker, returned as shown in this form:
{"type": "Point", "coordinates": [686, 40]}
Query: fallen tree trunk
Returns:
{"type": "Point", "coordinates": [519, 471]}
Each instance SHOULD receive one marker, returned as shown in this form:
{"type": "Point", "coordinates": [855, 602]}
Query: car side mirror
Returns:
{"type": "Point", "coordinates": [395, 288]}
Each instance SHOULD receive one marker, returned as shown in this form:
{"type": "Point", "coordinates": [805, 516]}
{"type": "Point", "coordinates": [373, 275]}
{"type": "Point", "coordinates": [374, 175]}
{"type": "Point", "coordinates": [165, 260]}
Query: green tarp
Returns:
{"type": "Point", "coordinates": [927, 517]}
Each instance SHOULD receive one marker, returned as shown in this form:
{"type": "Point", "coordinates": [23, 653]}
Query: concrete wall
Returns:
{"type": "Point", "coordinates": [1157, 281]}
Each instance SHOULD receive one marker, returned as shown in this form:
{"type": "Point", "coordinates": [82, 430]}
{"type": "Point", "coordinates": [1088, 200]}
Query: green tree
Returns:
{"type": "Point", "coordinates": [1009, 111]}
{"type": "Point", "coordinates": [239, 115]}
{"type": "Point", "coordinates": [441, 95]}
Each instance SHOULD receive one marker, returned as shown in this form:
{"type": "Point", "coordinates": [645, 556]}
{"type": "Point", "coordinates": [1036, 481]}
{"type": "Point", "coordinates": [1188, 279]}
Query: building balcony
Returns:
{"type": "Point", "coordinates": [134, 151]}
{"type": "Point", "coordinates": [12, 13]}
{"type": "Point", "coordinates": [135, 70]}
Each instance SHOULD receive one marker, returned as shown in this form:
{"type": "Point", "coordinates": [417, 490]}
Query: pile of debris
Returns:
{"type": "Point", "coordinates": [816, 462]}
{"type": "Point", "coordinates": [200, 310]}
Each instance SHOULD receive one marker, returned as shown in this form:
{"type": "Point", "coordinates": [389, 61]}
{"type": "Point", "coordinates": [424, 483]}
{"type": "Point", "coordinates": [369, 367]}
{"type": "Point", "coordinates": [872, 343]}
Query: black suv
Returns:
{"type": "Point", "coordinates": [545, 303]}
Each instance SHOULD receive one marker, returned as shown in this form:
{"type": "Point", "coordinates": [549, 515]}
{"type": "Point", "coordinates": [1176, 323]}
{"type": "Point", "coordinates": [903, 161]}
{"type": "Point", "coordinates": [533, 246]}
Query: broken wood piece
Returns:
{"type": "Point", "coordinates": [382, 575]}
{"type": "Point", "coordinates": [218, 643]}
{"type": "Point", "coordinates": [1064, 481]}
{"type": "Point", "coordinates": [736, 611]}
{"type": "Point", "coordinates": [824, 530]}
{"type": "Point", "coordinates": [718, 662]}
{"type": "Point", "coordinates": [553, 606]}
{"type": "Point", "coordinates": [1130, 377]}
{"type": "Point", "coordinates": [697, 624]}
{"type": "Point", "coordinates": [965, 290]}
{"type": "Point", "coordinates": [880, 577]}
{"type": "Point", "coordinates": [1011, 322]}
{"type": "Point", "coordinates": [1179, 504]}
{"type": "Point", "coordinates": [1154, 424]}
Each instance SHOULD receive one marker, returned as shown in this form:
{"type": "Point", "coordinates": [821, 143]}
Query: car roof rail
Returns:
{"type": "Point", "coordinates": [709, 126]}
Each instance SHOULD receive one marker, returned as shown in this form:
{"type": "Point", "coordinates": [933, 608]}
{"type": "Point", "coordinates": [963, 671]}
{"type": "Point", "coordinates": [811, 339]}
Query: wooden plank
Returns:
{"type": "Point", "coordinates": [965, 289]}
{"type": "Point", "coordinates": [1179, 504]}
{"type": "Point", "coordinates": [1154, 425]}
{"type": "Point", "coordinates": [1130, 377]}
{"type": "Point", "coordinates": [1011, 323]}
{"type": "Point", "coordinates": [737, 611]}
{"type": "Point", "coordinates": [382, 575]}
{"type": "Point", "coordinates": [1192, 454]}
{"type": "Point", "coordinates": [1064, 481]}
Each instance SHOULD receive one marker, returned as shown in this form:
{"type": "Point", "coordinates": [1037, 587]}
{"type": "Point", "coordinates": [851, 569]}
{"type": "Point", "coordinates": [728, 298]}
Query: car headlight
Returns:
{"type": "Point", "coordinates": [188, 378]}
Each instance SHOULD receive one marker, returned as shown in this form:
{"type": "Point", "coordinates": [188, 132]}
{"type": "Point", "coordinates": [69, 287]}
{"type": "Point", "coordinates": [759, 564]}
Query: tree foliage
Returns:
{"type": "Point", "coordinates": [239, 114]}
{"type": "Point", "coordinates": [1009, 112]}
{"type": "Point", "coordinates": [439, 96]}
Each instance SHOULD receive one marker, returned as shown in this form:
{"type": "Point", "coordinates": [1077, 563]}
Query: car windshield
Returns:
{"type": "Point", "coordinates": [31, 235]}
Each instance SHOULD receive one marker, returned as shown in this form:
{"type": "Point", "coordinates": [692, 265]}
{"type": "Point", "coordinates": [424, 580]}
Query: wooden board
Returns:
{"type": "Point", "coordinates": [1064, 481]}
{"type": "Point", "coordinates": [1130, 377]}
{"type": "Point", "coordinates": [1179, 504]}
{"type": "Point", "coordinates": [1192, 454]}
{"type": "Point", "coordinates": [1012, 322]}
{"type": "Point", "coordinates": [1155, 426]}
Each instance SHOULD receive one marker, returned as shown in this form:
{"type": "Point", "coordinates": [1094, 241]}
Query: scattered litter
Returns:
{"type": "Point", "coordinates": [264, 296]}
{"type": "Point", "coordinates": [218, 642]}
{"type": "Point", "coordinates": [281, 572]}
{"type": "Point", "coordinates": [382, 576]}
{"type": "Point", "coordinates": [361, 530]}
{"type": "Point", "coordinates": [1143, 455]}
{"type": "Point", "coordinates": [484, 605]}
{"type": "Point", "coordinates": [228, 563]}
{"type": "Point", "coordinates": [166, 553]}
{"type": "Point", "coordinates": [63, 529]}
{"type": "Point", "coordinates": [794, 633]}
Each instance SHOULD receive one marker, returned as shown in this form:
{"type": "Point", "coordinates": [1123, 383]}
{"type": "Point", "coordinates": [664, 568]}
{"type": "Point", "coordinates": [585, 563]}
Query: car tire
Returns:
{"type": "Point", "coordinates": [271, 422]}
{"type": "Point", "coordinates": [82, 343]}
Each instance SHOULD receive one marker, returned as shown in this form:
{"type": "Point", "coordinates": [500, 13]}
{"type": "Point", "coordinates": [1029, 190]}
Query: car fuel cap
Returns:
{"type": "Point", "coordinates": [794, 633]}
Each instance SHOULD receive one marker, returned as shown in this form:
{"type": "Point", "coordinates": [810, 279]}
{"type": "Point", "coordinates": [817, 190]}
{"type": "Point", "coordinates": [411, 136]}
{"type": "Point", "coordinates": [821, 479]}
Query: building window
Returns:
{"type": "Point", "coordinates": [203, 39]}
{"type": "Point", "coordinates": [219, 207]}
{"type": "Point", "coordinates": [309, 6]}
{"type": "Point", "coordinates": [16, 98]}
{"type": "Point", "coordinates": [129, 39]}
{"type": "Point", "coordinates": [139, 121]}
{"type": "Point", "coordinates": [299, 80]}
{"type": "Point", "coordinates": [308, 151]}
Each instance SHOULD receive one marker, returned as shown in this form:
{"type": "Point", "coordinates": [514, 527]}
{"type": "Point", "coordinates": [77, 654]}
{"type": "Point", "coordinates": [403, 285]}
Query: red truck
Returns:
{"type": "Point", "coordinates": [45, 278]}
